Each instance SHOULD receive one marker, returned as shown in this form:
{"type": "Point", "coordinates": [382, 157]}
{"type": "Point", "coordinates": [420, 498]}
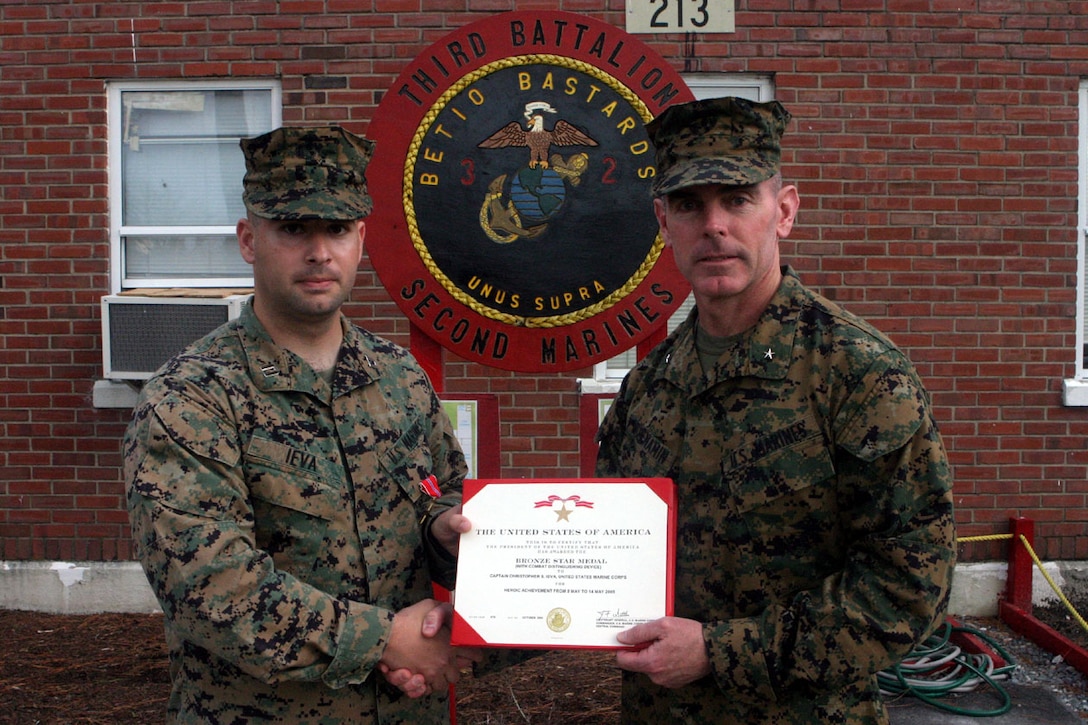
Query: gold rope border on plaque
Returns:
{"type": "Point", "coordinates": [408, 198]}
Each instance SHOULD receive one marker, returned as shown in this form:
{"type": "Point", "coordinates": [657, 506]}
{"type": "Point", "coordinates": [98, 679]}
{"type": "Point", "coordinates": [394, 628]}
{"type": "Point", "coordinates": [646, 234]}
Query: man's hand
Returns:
{"type": "Point", "coordinates": [410, 654]}
{"type": "Point", "coordinates": [448, 527]}
{"type": "Point", "coordinates": [413, 684]}
{"type": "Point", "coordinates": [672, 651]}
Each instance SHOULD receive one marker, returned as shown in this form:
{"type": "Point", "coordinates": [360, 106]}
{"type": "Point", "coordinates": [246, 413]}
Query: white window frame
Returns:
{"type": "Point", "coordinates": [1075, 390]}
{"type": "Point", "coordinates": [115, 90]}
{"type": "Point", "coordinates": [758, 88]}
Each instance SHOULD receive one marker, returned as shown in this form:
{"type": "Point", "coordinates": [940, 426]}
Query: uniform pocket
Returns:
{"type": "Point", "coordinates": [407, 461]}
{"type": "Point", "coordinates": [787, 510]}
{"type": "Point", "coordinates": [289, 478]}
{"type": "Point", "coordinates": [777, 465]}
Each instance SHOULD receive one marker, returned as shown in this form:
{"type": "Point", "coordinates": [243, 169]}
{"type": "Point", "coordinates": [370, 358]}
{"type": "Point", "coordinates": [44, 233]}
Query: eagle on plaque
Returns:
{"type": "Point", "coordinates": [537, 190]}
{"type": "Point", "coordinates": [536, 137]}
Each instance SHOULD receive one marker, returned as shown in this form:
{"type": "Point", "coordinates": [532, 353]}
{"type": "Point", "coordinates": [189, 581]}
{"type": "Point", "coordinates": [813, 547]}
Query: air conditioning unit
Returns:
{"type": "Point", "coordinates": [140, 333]}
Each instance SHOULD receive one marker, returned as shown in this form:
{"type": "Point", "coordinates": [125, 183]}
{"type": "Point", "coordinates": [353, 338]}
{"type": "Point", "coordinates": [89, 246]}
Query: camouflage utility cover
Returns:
{"type": "Point", "coordinates": [816, 536]}
{"type": "Point", "coordinates": [731, 141]}
{"type": "Point", "coordinates": [307, 173]}
{"type": "Point", "coordinates": [277, 518]}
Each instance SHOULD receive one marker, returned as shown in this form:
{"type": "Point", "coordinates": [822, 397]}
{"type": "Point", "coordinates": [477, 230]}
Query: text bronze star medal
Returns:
{"type": "Point", "coordinates": [511, 179]}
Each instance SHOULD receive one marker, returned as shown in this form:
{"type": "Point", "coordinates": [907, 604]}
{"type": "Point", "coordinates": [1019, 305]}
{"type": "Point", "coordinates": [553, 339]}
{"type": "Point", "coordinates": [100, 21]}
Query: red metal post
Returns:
{"type": "Point", "coordinates": [651, 341]}
{"type": "Point", "coordinates": [429, 354]}
{"type": "Point", "coordinates": [1015, 610]}
{"type": "Point", "coordinates": [1018, 583]}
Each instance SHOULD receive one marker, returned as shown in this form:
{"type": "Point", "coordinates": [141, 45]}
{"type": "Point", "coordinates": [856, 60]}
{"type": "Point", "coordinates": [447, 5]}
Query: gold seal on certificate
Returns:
{"type": "Point", "coordinates": [563, 562]}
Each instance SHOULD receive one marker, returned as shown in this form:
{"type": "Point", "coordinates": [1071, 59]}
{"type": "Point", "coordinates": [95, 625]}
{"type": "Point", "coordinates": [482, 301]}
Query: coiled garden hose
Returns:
{"type": "Point", "coordinates": [939, 667]}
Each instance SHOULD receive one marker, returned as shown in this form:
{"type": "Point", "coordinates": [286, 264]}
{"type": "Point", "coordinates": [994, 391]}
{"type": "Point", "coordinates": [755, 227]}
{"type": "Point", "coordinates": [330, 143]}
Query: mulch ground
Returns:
{"type": "Point", "coordinates": [110, 669]}
{"type": "Point", "coordinates": [1057, 616]}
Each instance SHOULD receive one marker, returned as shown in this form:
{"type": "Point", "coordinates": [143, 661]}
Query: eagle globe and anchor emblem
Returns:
{"type": "Point", "coordinates": [537, 191]}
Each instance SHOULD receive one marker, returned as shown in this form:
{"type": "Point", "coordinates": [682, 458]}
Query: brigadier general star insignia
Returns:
{"type": "Point", "coordinates": [769, 355]}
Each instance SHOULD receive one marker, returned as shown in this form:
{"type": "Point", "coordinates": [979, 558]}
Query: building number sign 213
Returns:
{"type": "Point", "coordinates": [680, 16]}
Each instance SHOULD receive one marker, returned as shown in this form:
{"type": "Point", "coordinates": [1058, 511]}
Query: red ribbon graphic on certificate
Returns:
{"type": "Point", "coordinates": [559, 505]}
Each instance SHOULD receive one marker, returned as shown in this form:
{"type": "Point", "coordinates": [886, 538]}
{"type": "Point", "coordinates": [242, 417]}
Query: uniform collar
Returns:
{"type": "Point", "coordinates": [763, 351]}
{"type": "Point", "coordinates": [272, 367]}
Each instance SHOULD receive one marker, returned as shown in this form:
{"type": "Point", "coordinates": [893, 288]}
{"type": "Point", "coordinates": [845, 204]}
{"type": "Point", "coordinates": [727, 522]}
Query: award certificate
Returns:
{"type": "Point", "coordinates": [563, 563]}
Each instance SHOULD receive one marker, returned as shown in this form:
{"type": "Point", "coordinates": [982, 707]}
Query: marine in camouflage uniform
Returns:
{"type": "Point", "coordinates": [816, 538]}
{"type": "Point", "coordinates": [277, 512]}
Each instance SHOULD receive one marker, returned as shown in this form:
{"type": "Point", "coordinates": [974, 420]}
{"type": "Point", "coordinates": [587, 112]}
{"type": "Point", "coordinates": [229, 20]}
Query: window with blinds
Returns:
{"type": "Point", "coordinates": [176, 179]}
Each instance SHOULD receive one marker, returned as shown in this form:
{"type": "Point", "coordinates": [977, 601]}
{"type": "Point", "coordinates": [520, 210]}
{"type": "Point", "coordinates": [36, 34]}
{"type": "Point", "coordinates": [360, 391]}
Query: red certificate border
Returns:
{"type": "Point", "coordinates": [464, 635]}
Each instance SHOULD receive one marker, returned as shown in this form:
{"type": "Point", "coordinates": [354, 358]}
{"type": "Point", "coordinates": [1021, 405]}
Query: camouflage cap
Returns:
{"type": "Point", "coordinates": [307, 173]}
{"type": "Point", "coordinates": [729, 140]}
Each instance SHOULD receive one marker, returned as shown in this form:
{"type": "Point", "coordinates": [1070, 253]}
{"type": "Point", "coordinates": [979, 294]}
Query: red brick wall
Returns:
{"type": "Point", "coordinates": [935, 148]}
